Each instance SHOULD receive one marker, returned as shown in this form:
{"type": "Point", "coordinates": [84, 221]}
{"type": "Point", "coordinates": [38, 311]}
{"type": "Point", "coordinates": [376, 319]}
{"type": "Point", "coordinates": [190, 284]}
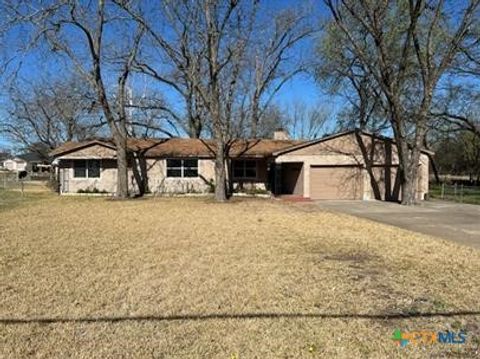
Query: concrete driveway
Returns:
{"type": "Point", "coordinates": [453, 221]}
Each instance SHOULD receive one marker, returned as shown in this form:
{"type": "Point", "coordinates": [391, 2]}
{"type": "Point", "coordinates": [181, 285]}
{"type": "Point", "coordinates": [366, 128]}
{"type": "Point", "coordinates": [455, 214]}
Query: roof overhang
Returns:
{"type": "Point", "coordinates": [79, 147]}
{"type": "Point", "coordinates": [340, 134]}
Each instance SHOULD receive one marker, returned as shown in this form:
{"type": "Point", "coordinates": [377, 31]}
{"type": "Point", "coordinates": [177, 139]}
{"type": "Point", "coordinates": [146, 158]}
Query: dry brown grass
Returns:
{"type": "Point", "coordinates": [188, 278]}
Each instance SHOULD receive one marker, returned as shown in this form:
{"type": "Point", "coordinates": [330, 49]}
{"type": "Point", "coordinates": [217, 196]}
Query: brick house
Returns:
{"type": "Point", "coordinates": [341, 166]}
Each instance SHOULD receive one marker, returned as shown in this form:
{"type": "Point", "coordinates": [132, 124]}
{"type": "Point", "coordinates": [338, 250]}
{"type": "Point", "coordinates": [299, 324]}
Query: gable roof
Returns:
{"type": "Point", "coordinates": [72, 146]}
{"type": "Point", "coordinates": [336, 135]}
{"type": "Point", "coordinates": [185, 147]}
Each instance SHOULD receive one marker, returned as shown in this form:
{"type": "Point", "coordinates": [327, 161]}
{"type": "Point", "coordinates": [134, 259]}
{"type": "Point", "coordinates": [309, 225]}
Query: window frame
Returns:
{"type": "Point", "coordinates": [244, 168]}
{"type": "Point", "coordinates": [87, 167]}
{"type": "Point", "coordinates": [182, 168]}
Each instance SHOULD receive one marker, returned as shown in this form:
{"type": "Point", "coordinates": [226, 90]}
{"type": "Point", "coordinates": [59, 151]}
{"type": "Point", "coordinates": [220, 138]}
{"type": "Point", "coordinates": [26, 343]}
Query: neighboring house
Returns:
{"type": "Point", "coordinates": [32, 163]}
{"type": "Point", "coordinates": [15, 164]}
{"type": "Point", "coordinates": [37, 165]}
{"type": "Point", "coordinates": [333, 167]}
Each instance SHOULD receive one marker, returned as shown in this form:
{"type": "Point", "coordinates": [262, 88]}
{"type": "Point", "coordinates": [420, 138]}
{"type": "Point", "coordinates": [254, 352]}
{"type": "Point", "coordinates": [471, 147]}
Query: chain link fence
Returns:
{"type": "Point", "coordinates": [16, 191]}
{"type": "Point", "coordinates": [9, 180]}
{"type": "Point", "coordinates": [456, 192]}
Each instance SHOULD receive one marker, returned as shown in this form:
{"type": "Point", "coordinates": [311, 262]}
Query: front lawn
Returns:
{"type": "Point", "coordinates": [13, 196]}
{"type": "Point", "coordinates": [189, 278]}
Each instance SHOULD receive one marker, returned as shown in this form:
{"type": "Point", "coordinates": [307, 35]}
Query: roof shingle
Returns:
{"type": "Point", "coordinates": [185, 147]}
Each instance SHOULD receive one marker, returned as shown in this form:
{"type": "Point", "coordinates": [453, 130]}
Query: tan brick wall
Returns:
{"type": "Point", "coordinates": [156, 169]}
{"type": "Point", "coordinates": [160, 183]}
{"type": "Point", "coordinates": [106, 182]}
{"type": "Point", "coordinates": [345, 151]}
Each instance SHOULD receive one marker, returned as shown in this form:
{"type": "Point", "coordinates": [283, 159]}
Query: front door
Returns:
{"type": "Point", "coordinates": [64, 174]}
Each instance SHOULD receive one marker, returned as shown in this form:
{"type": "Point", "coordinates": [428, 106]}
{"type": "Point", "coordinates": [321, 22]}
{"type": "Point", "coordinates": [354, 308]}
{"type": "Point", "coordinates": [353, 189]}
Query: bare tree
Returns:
{"type": "Point", "coordinates": [459, 103]}
{"type": "Point", "coordinates": [50, 113]}
{"type": "Point", "coordinates": [406, 49]}
{"type": "Point", "coordinates": [176, 59]}
{"type": "Point", "coordinates": [306, 122]}
{"type": "Point", "coordinates": [77, 32]}
{"type": "Point", "coordinates": [340, 72]}
{"type": "Point", "coordinates": [273, 59]}
{"type": "Point", "coordinates": [270, 58]}
{"type": "Point", "coordinates": [206, 49]}
{"type": "Point", "coordinates": [458, 109]}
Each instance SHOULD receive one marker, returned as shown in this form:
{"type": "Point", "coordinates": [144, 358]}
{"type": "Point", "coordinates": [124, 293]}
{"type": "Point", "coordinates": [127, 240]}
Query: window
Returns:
{"type": "Point", "coordinates": [182, 168]}
{"type": "Point", "coordinates": [93, 168]}
{"type": "Point", "coordinates": [245, 169]}
{"type": "Point", "coordinates": [80, 168]}
{"type": "Point", "coordinates": [86, 168]}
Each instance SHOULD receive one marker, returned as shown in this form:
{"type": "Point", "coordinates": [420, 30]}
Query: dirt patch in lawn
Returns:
{"type": "Point", "coordinates": [350, 257]}
{"type": "Point", "coordinates": [179, 277]}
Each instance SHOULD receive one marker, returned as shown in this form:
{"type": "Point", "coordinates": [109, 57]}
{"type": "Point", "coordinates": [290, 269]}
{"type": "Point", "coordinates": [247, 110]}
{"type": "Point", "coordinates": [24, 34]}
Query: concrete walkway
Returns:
{"type": "Point", "coordinates": [453, 221]}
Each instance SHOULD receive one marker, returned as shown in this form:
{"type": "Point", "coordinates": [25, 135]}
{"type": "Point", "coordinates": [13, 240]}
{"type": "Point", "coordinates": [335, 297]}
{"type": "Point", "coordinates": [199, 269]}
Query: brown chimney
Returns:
{"type": "Point", "coordinates": [280, 134]}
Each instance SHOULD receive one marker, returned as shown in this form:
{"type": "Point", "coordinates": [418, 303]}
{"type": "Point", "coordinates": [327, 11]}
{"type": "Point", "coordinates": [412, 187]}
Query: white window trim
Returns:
{"type": "Point", "coordinates": [73, 177]}
{"type": "Point", "coordinates": [244, 170]}
{"type": "Point", "coordinates": [181, 168]}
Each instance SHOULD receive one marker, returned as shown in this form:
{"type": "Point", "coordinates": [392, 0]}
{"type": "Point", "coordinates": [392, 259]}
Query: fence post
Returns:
{"type": "Point", "coordinates": [461, 193]}
{"type": "Point", "coordinates": [442, 195]}
{"type": "Point", "coordinates": [455, 191]}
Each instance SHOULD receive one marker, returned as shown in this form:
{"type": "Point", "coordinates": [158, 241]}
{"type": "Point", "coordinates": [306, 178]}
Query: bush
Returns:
{"type": "Point", "coordinates": [93, 190]}
{"type": "Point", "coordinates": [211, 186]}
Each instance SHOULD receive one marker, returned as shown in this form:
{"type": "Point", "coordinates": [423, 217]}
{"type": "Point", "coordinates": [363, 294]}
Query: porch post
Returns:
{"type": "Point", "coordinates": [306, 179]}
{"type": "Point", "coordinates": [277, 178]}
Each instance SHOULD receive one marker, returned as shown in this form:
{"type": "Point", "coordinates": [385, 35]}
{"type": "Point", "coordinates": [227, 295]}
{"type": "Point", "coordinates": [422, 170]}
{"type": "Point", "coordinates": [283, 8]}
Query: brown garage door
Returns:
{"type": "Point", "coordinates": [335, 183]}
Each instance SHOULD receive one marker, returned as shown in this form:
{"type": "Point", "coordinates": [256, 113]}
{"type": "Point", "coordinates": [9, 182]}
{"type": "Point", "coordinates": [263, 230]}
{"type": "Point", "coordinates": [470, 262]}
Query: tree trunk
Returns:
{"type": "Point", "coordinates": [194, 119]}
{"type": "Point", "coordinates": [122, 167]}
{"type": "Point", "coordinates": [140, 172]}
{"type": "Point", "coordinates": [409, 171]}
{"type": "Point", "coordinates": [409, 189]}
{"type": "Point", "coordinates": [255, 117]}
{"type": "Point", "coordinates": [435, 169]}
{"type": "Point", "coordinates": [368, 160]}
{"type": "Point", "coordinates": [195, 126]}
{"type": "Point", "coordinates": [220, 172]}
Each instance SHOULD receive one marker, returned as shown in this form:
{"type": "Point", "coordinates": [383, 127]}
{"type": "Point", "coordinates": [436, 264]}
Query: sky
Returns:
{"type": "Point", "coordinates": [300, 89]}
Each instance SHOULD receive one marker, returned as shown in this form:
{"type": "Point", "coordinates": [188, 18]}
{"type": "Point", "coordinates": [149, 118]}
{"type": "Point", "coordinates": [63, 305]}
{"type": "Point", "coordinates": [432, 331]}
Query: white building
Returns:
{"type": "Point", "coordinates": [15, 164]}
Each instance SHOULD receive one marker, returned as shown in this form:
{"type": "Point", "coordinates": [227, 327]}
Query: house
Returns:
{"type": "Point", "coordinates": [347, 165]}
{"type": "Point", "coordinates": [37, 166]}
{"type": "Point", "coordinates": [15, 164]}
{"type": "Point", "coordinates": [31, 164]}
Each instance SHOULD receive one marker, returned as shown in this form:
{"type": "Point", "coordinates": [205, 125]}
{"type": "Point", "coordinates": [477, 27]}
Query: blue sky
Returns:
{"type": "Point", "coordinates": [300, 89]}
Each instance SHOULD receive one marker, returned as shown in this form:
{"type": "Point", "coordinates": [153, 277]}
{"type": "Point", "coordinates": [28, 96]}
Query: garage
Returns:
{"type": "Point", "coordinates": [335, 168]}
{"type": "Point", "coordinates": [336, 182]}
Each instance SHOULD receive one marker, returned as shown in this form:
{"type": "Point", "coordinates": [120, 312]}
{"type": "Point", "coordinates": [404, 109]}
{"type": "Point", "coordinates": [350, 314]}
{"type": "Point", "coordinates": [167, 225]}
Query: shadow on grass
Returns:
{"type": "Point", "coordinates": [226, 316]}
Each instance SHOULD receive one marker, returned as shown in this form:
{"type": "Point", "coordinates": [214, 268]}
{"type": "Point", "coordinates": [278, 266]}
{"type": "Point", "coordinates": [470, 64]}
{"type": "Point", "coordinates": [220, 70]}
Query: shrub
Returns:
{"type": "Point", "coordinates": [211, 186]}
{"type": "Point", "coordinates": [93, 190]}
